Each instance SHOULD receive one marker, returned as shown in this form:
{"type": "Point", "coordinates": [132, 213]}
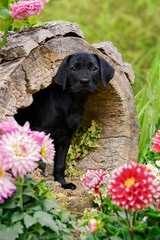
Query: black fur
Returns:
{"type": "Point", "coordinates": [59, 108]}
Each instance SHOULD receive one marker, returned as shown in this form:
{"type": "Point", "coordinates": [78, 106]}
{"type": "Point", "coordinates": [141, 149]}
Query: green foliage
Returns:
{"type": "Point", "coordinates": [45, 190]}
{"type": "Point", "coordinates": [113, 220]}
{"type": "Point", "coordinates": [41, 218]}
{"type": "Point", "coordinates": [4, 14]}
{"type": "Point", "coordinates": [4, 3]}
{"type": "Point", "coordinates": [151, 156]}
{"type": "Point", "coordinates": [148, 108]}
{"type": "Point", "coordinates": [82, 143]}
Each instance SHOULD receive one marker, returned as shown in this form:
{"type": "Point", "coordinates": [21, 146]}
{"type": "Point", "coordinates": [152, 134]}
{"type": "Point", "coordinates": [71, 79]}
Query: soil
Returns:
{"type": "Point", "coordinates": [75, 201]}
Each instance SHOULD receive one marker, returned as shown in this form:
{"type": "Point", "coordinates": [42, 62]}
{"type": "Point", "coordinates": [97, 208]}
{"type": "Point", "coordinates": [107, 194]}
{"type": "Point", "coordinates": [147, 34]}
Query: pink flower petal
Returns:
{"type": "Point", "coordinates": [20, 151]}
{"type": "Point", "coordinates": [156, 142]}
{"type": "Point", "coordinates": [7, 186]}
{"type": "Point", "coordinates": [92, 179]}
{"type": "Point", "coordinates": [25, 9]}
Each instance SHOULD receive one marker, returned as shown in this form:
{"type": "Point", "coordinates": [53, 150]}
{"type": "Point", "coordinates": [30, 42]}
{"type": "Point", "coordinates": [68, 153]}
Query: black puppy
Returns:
{"type": "Point", "coordinates": [59, 108]}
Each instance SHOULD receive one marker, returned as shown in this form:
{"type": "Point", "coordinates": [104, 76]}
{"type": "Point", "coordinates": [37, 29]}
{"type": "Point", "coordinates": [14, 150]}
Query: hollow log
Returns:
{"type": "Point", "coordinates": [29, 62]}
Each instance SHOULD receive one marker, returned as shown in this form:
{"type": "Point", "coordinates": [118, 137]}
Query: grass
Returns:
{"type": "Point", "coordinates": [148, 108]}
{"type": "Point", "coordinates": [132, 26]}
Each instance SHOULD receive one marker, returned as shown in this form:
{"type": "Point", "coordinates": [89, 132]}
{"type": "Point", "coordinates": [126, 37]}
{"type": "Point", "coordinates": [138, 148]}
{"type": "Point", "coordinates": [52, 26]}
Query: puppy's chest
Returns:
{"type": "Point", "coordinates": [74, 120]}
{"type": "Point", "coordinates": [71, 111]}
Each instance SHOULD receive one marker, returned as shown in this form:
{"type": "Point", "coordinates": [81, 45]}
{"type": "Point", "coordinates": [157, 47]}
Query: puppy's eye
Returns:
{"type": "Point", "coordinates": [73, 69]}
{"type": "Point", "coordinates": [93, 68]}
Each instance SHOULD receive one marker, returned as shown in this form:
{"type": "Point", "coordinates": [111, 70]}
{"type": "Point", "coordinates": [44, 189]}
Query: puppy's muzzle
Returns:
{"type": "Point", "coordinates": [84, 81]}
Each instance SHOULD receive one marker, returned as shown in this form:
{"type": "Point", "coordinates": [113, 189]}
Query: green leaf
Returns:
{"type": "Point", "coordinates": [157, 157]}
{"type": "Point", "coordinates": [154, 233]}
{"type": "Point", "coordinates": [137, 237]}
{"type": "Point", "coordinates": [19, 24]}
{"type": "Point", "coordinates": [1, 211]}
{"type": "Point", "coordinates": [29, 220]}
{"type": "Point", "coordinates": [12, 232]}
{"type": "Point", "coordinates": [32, 207]}
{"type": "Point", "coordinates": [90, 235]}
{"type": "Point", "coordinates": [38, 228]}
{"type": "Point", "coordinates": [115, 238]}
{"type": "Point", "coordinates": [16, 217]}
{"type": "Point", "coordinates": [64, 216]}
{"type": "Point", "coordinates": [32, 20]}
{"type": "Point", "coordinates": [4, 14]}
{"type": "Point", "coordinates": [82, 143]}
{"type": "Point", "coordinates": [4, 38]}
{"type": "Point", "coordinates": [49, 204]}
{"type": "Point", "coordinates": [140, 227]}
{"type": "Point", "coordinates": [155, 215]}
{"type": "Point", "coordinates": [62, 227]}
{"type": "Point", "coordinates": [45, 219]}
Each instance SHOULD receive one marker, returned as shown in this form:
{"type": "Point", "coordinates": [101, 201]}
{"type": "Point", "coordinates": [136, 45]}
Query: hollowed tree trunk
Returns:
{"type": "Point", "coordinates": [29, 62]}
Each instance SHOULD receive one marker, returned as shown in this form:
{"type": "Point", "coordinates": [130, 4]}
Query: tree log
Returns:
{"type": "Point", "coordinates": [29, 62]}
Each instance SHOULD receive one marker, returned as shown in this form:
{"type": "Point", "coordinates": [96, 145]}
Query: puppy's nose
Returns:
{"type": "Point", "coordinates": [84, 81]}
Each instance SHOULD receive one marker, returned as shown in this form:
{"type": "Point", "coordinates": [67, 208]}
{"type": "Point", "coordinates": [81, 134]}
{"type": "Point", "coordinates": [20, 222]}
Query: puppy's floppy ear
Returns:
{"type": "Point", "coordinates": [62, 73]}
{"type": "Point", "coordinates": [106, 70]}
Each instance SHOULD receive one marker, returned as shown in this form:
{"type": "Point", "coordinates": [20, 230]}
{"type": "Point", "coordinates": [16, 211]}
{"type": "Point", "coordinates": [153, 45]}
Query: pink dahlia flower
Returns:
{"type": "Point", "coordinates": [25, 9]}
{"type": "Point", "coordinates": [21, 151]}
{"type": "Point", "coordinates": [10, 125]}
{"type": "Point", "coordinates": [133, 187]}
{"type": "Point", "coordinates": [7, 186]}
{"type": "Point", "coordinates": [92, 179]}
{"type": "Point", "coordinates": [156, 142]}
{"type": "Point", "coordinates": [4, 161]}
{"type": "Point", "coordinates": [47, 147]}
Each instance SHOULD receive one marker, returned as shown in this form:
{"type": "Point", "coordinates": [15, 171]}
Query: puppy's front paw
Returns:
{"type": "Point", "coordinates": [69, 186]}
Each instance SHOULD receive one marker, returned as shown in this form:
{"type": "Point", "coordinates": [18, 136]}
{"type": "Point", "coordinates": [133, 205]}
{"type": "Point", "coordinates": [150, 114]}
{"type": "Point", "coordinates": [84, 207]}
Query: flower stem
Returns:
{"type": "Point", "coordinates": [101, 201]}
{"type": "Point", "coordinates": [134, 217]}
{"type": "Point", "coordinates": [129, 225]}
{"type": "Point", "coordinates": [101, 198]}
{"type": "Point", "coordinates": [20, 185]}
{"type": "Point", "coordinates": [133, 222]}
{"type": "Point", "coordinates": [107, 231]}
{"type": "Point", "coordinates": [127, 219]}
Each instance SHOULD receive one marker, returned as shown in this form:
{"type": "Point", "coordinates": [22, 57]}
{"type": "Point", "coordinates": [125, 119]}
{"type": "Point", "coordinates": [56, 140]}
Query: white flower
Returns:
{"type": "Point", "coordinates": [158, 163]}
{"type": "Point", "coordinates": [22, 152]}
{"type": "Point", "coordinates": [155, 171]}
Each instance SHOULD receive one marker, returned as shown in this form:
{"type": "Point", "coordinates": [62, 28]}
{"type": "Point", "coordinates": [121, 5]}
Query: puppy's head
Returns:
{"type": "Point", "coordinates": [81, 71]}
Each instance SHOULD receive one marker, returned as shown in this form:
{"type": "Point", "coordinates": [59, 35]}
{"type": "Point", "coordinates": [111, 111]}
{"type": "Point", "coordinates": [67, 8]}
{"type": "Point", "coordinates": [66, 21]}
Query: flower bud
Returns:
{"type": "Point", "coordinates": [93, 225]}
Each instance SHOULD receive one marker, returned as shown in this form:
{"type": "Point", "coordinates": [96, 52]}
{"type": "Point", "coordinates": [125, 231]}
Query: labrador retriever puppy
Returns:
{"type": "Point", "coordinates": [59, 108]}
